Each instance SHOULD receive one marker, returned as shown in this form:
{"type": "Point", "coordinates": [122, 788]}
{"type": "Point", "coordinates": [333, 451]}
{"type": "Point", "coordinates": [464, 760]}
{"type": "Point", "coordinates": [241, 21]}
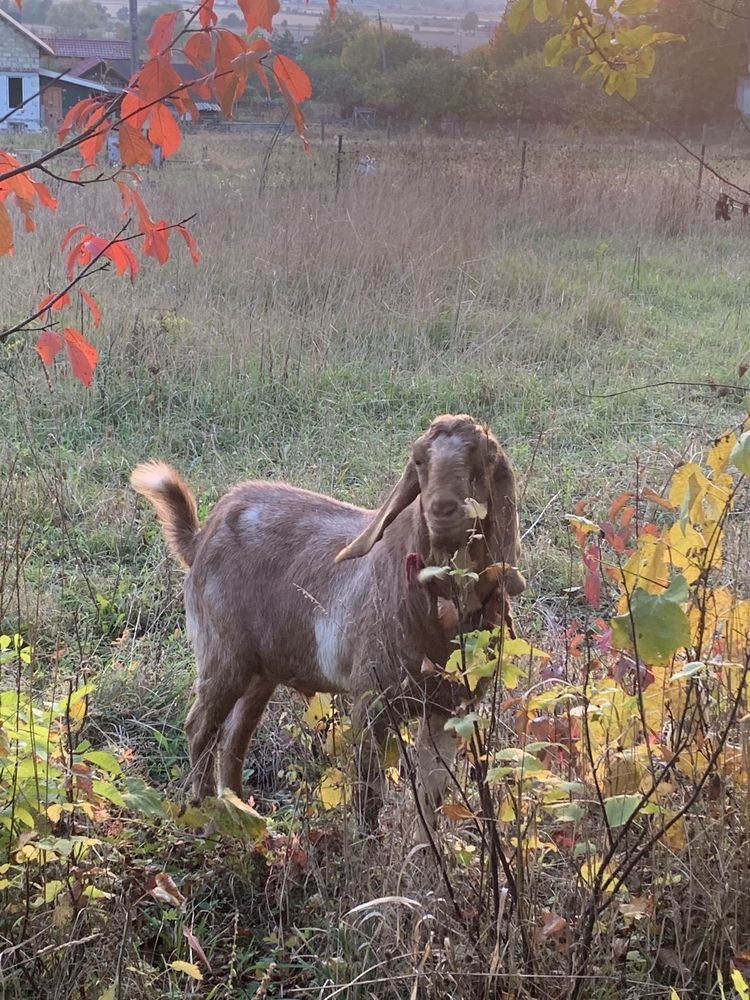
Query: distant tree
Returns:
{"type": "Point", "coordinates": [331, 37]}
{"type": "Point", "coordinates": [364, 53]}
{"type": "Point", "coordinates": [470, 21]}
{"type": "Point", "coordinates": [231, 21]}
{"type": "Point", "coordinates": [284, 43]}
{"type": "Point", "coordinates": [79, 18]}
{"type": "Point", "coordinates": [123, 14]}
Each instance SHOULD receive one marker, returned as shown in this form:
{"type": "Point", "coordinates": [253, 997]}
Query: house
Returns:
{"type": "Point", "coordinates": [20, 56]}
{"type": "Point", "coordinates": [40, 80]}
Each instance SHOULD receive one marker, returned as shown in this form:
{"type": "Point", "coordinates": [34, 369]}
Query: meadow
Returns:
{"type": "Point", "coordinates": [597, 322]}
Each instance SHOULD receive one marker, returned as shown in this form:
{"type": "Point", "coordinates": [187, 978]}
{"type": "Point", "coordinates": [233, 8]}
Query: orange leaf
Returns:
{"type": "Point", "coordinates": [197, 50]}
{"type": "Point", "coordinates": [83, 356]}
{"type": "Point", "coordinates": [54, 302]}
{"type": "Point", "coordinates": [206, 14]}
{"type": "Point", "coordinates": [6, 232]}
{"type": "Point", "coordinates": [228, 84]}
{"type": "Point", "coordinates": [332, 10]}
{"type": "Point", "coordinates": [296, 80]}
{"type": "Point", "coordinates": [134, 146]}
{"type": "Point", "coordinates": [45, 196]}
{"type": "Point", "coordinates": [156, 244]}
{"type": "Point", "coordinates": [259, 13]}
{"type": "Point", "coordinates": [96, 313]}
{"type": "Point", "coordinates": [27, 208]}
{"type": "Point", "coordinates": [294, 110]}
{"type": "Point", "coordinates": [133, 110]}
{"type": "Point", "coordinates": [71, 232]}
{"type": "Point", "coordinates": [162, 33]}
{"type": "Point", "coordinates": [75, 116]}
{"type": "Point", "coordinates": [157, 80]}
{"type": "Point", "coordinates": [191, 244]}
{"type": "Point", "coordinates": [163, 130]}
{"type": "Point", "coordinates": [48, 346]}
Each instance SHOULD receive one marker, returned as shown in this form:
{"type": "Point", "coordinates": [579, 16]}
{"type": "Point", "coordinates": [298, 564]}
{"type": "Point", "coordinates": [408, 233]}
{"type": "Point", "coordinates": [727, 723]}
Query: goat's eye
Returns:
{"type": "Point", "coordinates": [419, 462]}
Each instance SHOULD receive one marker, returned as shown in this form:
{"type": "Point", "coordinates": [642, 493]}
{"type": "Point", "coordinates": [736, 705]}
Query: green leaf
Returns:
{"type": "Point", "coordinates": [463, 725]}
{"type": "Point", "coordinates": [139, 798]}
{"type": "Point", "coordinates": [519, 15]}
{"type": "Point", "coordinates": [104, 760]}
{"type": "Point", "coordinates": [619, 808]}
{"type": "Point", "coordinates": [689, 670]}
{"type": "Point", "coordinates": [657, 621]}
{"type": "Point", "coordinates": [565, 812]}
{"type": "Point", "coordinates": [433, 573]}
{"type": "Point", "coordinates": [108, 791]}
{"type": "Point", "coordinates": [541, 11]}
{"type": "Point", "coordinates": [740, 455]}
{"type": "Point", "coordinates": [233, 817]}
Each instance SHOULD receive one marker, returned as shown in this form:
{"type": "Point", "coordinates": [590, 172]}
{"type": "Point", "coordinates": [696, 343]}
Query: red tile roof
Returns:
{"type": "Point", "coordinates": [85, 48]}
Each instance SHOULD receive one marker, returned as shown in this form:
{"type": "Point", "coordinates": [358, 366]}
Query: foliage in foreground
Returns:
{"type": "Point", "coordinates": [596, 826]}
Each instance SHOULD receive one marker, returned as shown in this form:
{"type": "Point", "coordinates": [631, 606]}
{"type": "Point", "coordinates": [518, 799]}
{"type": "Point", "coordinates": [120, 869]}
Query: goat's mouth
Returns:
{"type": "Point", "coordinates": [448, 534]}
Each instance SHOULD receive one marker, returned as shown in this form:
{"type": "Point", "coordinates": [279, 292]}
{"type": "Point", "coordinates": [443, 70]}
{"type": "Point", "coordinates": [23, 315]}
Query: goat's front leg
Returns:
{"type": "Point", "coordinates": [436, 755]}
{"type": "Point", "coordinates": [370, 730]}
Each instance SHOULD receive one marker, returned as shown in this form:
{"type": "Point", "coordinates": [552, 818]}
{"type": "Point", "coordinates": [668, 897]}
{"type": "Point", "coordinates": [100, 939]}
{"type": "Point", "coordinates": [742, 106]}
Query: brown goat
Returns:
{"type": "Point", "coordinates": [290, 587]}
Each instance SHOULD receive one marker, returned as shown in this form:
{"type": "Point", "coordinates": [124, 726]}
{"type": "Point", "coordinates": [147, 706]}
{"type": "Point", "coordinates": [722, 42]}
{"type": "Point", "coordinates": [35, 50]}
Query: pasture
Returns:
{"type": "Point", "coordinates": [595, 322]}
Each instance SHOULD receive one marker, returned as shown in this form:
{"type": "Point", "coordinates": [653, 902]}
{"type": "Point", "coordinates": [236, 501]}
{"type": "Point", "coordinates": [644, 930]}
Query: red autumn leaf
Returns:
{"type": "Point", "coordinates": [206, 14]}
{"type": "Point", "coordinates": [54, 302]}
{"type": "Point", "coordinates": [134, 146]}
{"type": "Point", "coordinates": [156, 244]}
{"type": "Point", "coordinates": [71, 232]}
{"type": "Point", "coordinates": [45, 196]}
{"type": "Point", "coordinates": [133, 110]}
{"type": "Point", "coordinates": [294, 110]}
{"type": "Point", "coordinates": [75, 116]}
{"type": "Point", "coordinates": [82, 355]}
{"type": "Point", "coordinates": [296, 80]}
{"type": "Point", "coordinates": [27, 209]}
{"type": "Point", "coordinates": [228, 83]}
{"type": "Point", "coordinates": [157, 79]}
{"type": "Point", "coordinates": [164, 131]}
{"type": "Point", "coordinates": [93, 144]}
{"type": "Point", "coordinates": [6, 232]}
{"type": "Point", "coordinates": [249, 62]}
{"type": "Point", "coordinates": [332, 10]}
{"type": "Point", "coordinates": [197, 50]}
{"type": "Point", "coordinates": [191, 244]}
{"type": "Point", "coordinates": [259, 14]}
{"type": "Point", "coordinates": [162, 33]}
{"type": "Point", "coordinates": [592, 588]}
{"type": "Point", "coordinates": [96, 313]}
{"type": "Point", "coordinates": [48, 346]}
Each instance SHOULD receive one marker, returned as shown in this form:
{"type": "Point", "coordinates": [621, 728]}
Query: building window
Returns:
{"type": "Point", "coordinates": [15, 91]}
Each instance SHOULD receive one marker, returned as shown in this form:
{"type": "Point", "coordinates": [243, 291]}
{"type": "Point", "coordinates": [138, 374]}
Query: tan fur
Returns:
{"type": "Point", "coordinates": [268, 603]}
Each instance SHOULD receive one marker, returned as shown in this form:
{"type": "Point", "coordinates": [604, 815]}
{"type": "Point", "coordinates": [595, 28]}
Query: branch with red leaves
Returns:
{"type": "Point", "coordinates": [146, 116]}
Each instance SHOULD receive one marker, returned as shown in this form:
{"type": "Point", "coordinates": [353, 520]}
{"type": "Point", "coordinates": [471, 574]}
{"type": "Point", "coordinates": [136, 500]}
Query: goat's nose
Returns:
{"type": "Point", "coordinates": [444, 508]}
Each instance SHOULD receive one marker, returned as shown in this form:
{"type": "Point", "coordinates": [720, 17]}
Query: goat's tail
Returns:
{"type": "Point", "coordinates": [175, 506]}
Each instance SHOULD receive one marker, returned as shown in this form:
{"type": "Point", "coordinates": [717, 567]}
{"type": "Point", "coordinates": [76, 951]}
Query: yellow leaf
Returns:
{"type": "Point", "coordinates": [675, 837]}
{"type": "Point", "coordinates": [519, 15]}
{"type": "Point", "coordinates": [739, 983]}
{"type": "Point", "coordinates": [319, 710]}
{"type": "Point", "coordinates": [188, 968]}
{"type": "Point", "coordinates": [332, 788]}
{"type": "Point", "coordinates": [393, 775]}
{"type": "Point", "coordinates": [718, 457]}
{"type": "Point", "coordinates": [541, 11]}
{"type": "Point", "coordinates": [54, 812]}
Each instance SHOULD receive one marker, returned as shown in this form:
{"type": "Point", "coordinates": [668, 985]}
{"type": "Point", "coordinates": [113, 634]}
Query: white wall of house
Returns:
{"type": "Point", "coordinates": [15, 85]}
{"type": "Point", "coordinates": [743, 96]}
{"type": "Point", "coordinates": [19, 61]}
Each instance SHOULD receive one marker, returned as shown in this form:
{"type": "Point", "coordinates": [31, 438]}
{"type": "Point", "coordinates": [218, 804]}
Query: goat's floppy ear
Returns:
{"type": "Point", "coordinates": [506, 533]}
{"type": "Point", "coordinates": [403, 493]}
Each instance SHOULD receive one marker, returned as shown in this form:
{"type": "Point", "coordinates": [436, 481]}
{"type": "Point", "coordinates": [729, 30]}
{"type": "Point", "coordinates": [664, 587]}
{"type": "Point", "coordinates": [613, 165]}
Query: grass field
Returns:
{"type": "Point", "coordinates": [317, 337]}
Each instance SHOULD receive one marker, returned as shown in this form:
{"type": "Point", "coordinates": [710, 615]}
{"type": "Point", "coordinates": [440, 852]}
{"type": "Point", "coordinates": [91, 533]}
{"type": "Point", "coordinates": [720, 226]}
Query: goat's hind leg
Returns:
{"type": "Point", "coordinates": [219, 686]}
{"type": "Point", "coordinates": [238, 730]}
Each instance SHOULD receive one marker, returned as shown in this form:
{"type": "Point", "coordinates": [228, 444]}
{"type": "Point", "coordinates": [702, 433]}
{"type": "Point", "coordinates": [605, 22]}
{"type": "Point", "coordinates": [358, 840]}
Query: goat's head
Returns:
{"type": "Point", "coordinates": [457, 460]}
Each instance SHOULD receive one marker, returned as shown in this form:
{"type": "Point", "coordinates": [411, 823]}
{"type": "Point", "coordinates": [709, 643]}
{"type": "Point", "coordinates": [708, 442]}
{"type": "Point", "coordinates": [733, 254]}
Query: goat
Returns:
{"type": "Point", "coordinates": [287, 586]}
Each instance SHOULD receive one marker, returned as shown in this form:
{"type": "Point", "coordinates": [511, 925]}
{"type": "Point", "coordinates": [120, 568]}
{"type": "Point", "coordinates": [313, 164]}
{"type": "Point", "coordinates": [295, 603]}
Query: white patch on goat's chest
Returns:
{"type": "Point", "coordinates": [329, 647]}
